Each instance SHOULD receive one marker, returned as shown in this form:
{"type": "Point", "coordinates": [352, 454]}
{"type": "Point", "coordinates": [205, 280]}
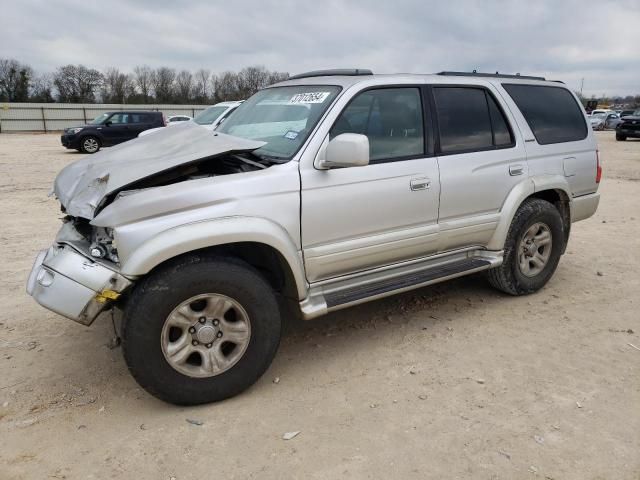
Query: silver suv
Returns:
{"type": "Point", "coordinates": [324, 191]}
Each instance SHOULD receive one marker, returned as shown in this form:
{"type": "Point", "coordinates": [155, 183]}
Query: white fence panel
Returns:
{"type": "Point", "coordinates": [50, 117]}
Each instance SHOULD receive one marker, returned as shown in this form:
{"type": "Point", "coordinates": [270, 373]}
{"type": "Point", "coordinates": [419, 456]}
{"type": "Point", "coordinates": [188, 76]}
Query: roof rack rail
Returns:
{"type": "Point", "coordinates": [497, 74]}
{"type": "Point", "coordinates": [336, 71]}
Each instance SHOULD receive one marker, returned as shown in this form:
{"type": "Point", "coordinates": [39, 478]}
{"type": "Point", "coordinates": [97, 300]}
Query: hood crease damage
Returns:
{"type": "Point", "coordinates": [173, 154]}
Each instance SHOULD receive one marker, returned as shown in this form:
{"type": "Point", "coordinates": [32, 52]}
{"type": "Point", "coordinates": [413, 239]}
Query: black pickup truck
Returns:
{"type": "Point", "coordinates": [629, 127]}
{"type": "Point", "coordinates": [109, 129]}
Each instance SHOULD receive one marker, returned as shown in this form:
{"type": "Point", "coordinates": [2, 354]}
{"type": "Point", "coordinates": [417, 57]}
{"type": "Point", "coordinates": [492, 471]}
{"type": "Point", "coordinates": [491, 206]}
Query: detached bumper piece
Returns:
{"type": "Point", "coordinates": [73, 285]}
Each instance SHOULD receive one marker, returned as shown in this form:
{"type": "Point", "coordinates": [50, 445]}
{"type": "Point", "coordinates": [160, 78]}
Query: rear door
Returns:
{"type": "Point", "coordinates": [138, 122]}
{"type": "Point", "coordinates": [357, 218]}
{"type": "Point", "coordinates": [481, 158]}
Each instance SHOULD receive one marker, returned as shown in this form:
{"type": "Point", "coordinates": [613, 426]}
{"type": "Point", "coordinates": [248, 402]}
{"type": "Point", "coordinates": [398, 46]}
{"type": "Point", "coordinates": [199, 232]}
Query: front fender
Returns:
{"type": "Point", "coordinates": [516, 196]}
{"type": "Point", "coordinates": [208, 233]}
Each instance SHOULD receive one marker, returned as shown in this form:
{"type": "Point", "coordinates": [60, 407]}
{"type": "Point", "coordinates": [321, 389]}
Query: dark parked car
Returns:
{"type": "Point", "coordinates": [629, 127]}
{"type": "Point", "coordinates": [109, 129]}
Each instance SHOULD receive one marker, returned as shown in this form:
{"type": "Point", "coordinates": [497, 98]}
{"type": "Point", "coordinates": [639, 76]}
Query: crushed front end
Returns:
{"type": "Point", "coordinates": [68, 280]}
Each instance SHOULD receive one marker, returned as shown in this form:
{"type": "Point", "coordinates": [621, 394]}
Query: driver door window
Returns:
{"type": "Point", "coordinates": [392, 120]}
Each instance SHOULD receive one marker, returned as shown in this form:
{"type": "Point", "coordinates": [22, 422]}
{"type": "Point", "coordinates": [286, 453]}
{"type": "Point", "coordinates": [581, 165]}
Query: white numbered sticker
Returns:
{"type": "Point", "coordinates": [309, 97]}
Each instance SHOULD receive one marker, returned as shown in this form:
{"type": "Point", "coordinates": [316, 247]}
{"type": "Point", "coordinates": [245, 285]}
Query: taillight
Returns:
{"type": "Point", "coordinates": [598, 167]}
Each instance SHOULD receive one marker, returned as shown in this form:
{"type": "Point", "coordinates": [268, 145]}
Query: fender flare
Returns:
{"type": "Point", "coordinates": [519, 194]}
{"type": "Point", "coordinates": [209, 233]}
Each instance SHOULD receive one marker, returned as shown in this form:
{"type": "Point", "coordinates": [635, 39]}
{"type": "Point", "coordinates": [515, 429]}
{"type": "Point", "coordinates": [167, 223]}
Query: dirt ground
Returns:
{"type": "Point", "coordinates": [450, 381]}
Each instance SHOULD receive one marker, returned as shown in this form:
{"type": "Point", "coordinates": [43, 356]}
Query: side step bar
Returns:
{"type": "Point", "coordinates": [352, 290]}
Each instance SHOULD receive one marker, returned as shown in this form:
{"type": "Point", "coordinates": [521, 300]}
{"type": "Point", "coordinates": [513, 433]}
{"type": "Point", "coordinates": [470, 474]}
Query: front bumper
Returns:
{"type": "Point", "coordinates": [628, 132]}
{"type": "Point", "coordinates": [73, 285]}
{"type": "Point", "coordinates": [70, 141]}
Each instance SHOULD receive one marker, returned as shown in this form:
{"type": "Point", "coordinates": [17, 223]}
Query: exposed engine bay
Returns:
{"type": "Point", "coordinates": [100, 239]}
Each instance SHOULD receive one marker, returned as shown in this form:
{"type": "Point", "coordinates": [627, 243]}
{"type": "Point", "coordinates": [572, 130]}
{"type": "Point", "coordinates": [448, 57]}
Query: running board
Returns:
{"type": "Point", "coordinates": [344, 292]}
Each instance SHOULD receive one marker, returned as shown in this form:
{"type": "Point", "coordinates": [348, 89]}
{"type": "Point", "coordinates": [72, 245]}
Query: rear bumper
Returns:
{"type": "Point", "coordinates": [584, 206]}
{"type": "Point", "coordinates": [73, 285]}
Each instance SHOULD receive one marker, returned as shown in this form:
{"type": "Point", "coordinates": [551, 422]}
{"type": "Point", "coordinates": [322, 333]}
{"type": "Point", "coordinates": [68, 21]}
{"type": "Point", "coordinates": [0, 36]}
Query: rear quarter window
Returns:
{"type": "Point", "coordinates": [551, 112]}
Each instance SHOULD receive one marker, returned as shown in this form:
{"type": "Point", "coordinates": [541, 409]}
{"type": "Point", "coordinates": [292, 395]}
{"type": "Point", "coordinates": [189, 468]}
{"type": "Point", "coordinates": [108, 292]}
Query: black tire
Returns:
{"type": "Point", "coordinates": [620, 138]}
{"type": "Point", "coordinates": [88, 140]}
{"type": "Point", "coordinates": [508, 277]}
{"type": "Point", "coordinates": [156, 296]}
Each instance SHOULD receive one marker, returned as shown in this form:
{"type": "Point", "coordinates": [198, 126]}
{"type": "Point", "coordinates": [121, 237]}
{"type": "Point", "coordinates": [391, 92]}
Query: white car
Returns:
{"type": "Point", "coordinates": [214, 115]}
{"type": "Point", "coordinates": [210, 117]}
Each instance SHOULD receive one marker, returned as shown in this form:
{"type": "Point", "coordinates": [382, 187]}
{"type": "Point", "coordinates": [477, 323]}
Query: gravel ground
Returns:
{"type": "Point", "coordinates": [450, 381]}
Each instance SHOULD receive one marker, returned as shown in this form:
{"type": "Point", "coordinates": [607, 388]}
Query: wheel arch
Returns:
{"type": "Point", "coordinates": [257, 241]}
{"type": "Point", "coordinates": [552, 188]}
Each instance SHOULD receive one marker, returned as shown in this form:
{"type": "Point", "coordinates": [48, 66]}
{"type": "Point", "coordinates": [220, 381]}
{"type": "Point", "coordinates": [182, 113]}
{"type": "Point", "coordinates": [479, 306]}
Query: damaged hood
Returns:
{"type": "Point", "coordinates": [82, 185]}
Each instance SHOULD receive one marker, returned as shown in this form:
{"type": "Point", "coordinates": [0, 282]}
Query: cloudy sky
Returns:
{"type": "Point", "coordinates": [598, 40]}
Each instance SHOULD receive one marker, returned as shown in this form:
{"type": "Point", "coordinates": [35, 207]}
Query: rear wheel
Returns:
{"type": "Point", "coordinates": [620, 137]}
{"type": "Point", "coordinates": [532, 250]}
{"type": "Point", "coordinates": [201, 330]}
{"type": "Point", "coordinates": [89, 144]}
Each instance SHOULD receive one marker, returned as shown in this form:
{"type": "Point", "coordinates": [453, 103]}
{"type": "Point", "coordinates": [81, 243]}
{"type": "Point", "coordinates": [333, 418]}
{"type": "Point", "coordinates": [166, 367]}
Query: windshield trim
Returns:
{"type": "Point", "coordinates": [327, 109]}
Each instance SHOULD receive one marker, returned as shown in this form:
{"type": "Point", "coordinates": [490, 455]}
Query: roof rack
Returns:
{"type": "Point", "coordinates": [497, 74]}
{"type": "Point", "coordinates": [336, 71]}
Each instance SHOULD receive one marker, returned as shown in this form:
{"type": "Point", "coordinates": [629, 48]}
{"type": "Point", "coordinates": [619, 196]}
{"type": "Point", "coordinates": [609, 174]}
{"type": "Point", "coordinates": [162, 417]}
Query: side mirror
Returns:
{"type": "Point", "coordinates": [108, 123]}
{"type": "Point", "coordinates": [346, 150]}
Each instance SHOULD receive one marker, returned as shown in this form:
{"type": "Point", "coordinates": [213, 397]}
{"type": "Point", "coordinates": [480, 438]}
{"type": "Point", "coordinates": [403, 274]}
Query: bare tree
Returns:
{"type": "Point", "coordinates": [143, 76]}
{"type": "Point", "coordinates": [226, 87]}
{"type": "Point", "coordinates": [15, 79]}
{"type": "Point", "coordinates": [163, 82]}
{"type": "Point", "coordinates": [184, 86]}
{"type": "Point", "coordinates": [117, 87]}
{"type": "Point", "coordinates": [77, 83]}
{"type": "Point", "coordinates": [201, 89]}
{"type": "Point", "coordinates": [42, 88]}
{"type": "Point", "coordinates": [252, 79]}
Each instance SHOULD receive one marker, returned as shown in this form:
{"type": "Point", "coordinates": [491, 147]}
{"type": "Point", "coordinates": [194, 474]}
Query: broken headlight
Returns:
{"type": "Point", "coordinates": [103, 244]}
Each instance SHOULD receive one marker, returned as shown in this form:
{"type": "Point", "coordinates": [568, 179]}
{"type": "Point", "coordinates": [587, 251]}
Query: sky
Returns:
{"type": "Point", "coordinates": [594, 40]}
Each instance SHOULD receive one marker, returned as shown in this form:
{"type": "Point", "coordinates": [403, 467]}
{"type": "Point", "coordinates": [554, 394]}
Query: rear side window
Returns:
{"type": "Point", "coordinates": [469, 120]}
{"type": "Point", "coordinates": [551, 112]}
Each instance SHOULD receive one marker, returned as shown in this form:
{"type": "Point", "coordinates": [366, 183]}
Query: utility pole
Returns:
{"type": "Point", "coordinates": [581, 85]}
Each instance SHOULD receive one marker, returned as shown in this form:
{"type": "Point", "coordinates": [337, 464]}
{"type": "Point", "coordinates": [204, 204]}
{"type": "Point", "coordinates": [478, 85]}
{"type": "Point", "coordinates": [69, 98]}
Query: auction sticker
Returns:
{"type": "Point", "coordinates": [309, 97]}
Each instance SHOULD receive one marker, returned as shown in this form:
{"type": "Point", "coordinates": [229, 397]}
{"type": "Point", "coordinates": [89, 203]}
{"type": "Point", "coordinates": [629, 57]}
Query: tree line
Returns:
{"type": "Point", "coordinates": [163, 85]}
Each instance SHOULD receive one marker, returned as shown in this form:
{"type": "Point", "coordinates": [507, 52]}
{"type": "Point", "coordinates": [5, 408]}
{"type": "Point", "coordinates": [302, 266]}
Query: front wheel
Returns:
{"type": "Point", "coordinates": [201, 330]}
{"type": "Point", "coordinates": [620, 137]}
{"type": "Point", "coordinates": [89, 144]}
{"type": "Point", "coordinates": [532, 250]}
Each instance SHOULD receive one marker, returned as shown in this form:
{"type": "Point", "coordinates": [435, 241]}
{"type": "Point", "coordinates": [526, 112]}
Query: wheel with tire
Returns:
{"type": "Point", "coordinates": [532, 250]}
{"type": "Point", "coordinates": [200, 330]}
{"type": "Point", "coordinates": [89, 144]}
{"type": "Point", "coordinates": [620, 137]}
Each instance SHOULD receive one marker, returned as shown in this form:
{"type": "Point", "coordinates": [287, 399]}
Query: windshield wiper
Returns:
{"type": "Point", "coordinates": [269, 158]}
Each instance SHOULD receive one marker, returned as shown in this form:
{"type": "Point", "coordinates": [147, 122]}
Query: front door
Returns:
{"type": "Point", "coordinates": [358, 218]}
{"type": "Point", "coordinates": [117, 129]}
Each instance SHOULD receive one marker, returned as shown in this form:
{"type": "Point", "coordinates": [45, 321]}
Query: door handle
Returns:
{"type": "Point", "coordinates": [420, 183]}
{"type": "Point", "coordinates": [516, 170]}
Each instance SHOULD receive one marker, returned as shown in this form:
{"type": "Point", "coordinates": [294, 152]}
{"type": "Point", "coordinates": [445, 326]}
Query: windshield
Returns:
{"type": "Point", "coordinates": [599, 115]}
{"type": "Point", "coordinates": [281, 116]}
{"type": "Point", "coordinates": [100, 119]}
{"type": "Point", "coordinates": [209, 115]}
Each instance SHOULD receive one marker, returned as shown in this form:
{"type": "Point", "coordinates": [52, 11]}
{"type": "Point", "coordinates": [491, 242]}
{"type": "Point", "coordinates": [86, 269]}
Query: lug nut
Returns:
{"type": "Point", "coordinates": [194, 343]}
{"type": "Point", "coordinates": [192, 330]}
{"type": "Point", "coordinates": [202, 319]}
{"type": "Point", "coordinates": [219, 334]}
{"type": "Point", "coordinates": [216, 322]}
{"type": "Point", "coordinates": [209, 345]}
